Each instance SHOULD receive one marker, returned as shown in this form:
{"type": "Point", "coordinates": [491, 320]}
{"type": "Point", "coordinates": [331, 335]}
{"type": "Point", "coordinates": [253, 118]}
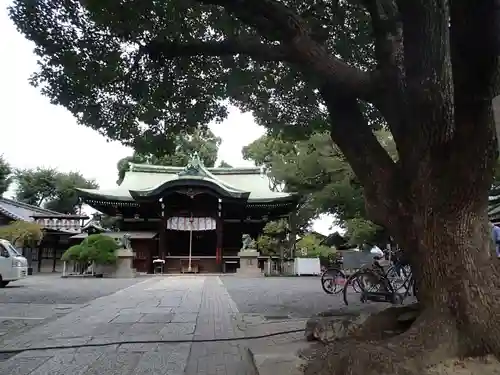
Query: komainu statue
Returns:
{"type": "Point", "coordinates": [247, 242]}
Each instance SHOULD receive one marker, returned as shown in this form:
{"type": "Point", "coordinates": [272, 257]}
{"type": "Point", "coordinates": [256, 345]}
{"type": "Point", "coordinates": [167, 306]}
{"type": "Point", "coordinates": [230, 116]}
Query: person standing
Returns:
{"type": "Point", "coordinates": [495, 235]}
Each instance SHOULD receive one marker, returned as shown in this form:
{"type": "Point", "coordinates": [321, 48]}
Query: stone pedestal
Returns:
{"type": "Point", "coordinates": [124, 264]}
{"type": "Point", "coordinates": [249, 263]}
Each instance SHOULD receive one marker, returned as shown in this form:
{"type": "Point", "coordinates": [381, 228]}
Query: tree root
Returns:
{"type": "Point", "coordinates": [432, 338]}
{"type": "Point", "coordinates": [388, 322]}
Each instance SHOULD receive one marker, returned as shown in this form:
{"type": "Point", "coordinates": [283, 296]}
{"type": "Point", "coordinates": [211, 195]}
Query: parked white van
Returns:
{"type": "Point", "coordinates": [13, 266]}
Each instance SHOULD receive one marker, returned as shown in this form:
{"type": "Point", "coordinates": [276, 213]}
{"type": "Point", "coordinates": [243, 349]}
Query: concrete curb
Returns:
{"type": "Point", "coordinates": [278, 354]}
{"type": "Point", "coordinates": [276, 363]}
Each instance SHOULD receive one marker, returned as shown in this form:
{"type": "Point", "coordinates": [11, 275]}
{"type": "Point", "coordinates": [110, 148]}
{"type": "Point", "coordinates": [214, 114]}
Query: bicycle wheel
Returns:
{"type": "Point", "coordinates": [363, 280]}
{"type": "Point", "coordinates": [398, 277]}
{"type": "Point", "coordinates": [333, 280]}
{"type": "Point", "coordinates": [356, 287]}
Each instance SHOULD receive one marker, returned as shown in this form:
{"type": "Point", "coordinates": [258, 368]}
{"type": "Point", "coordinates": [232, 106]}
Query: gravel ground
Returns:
{"type": "Point", "coordinates": [297, 297]}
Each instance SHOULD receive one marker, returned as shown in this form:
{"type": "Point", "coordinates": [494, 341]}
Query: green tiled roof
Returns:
{"type": "Point", "coordinates": [144, 179]}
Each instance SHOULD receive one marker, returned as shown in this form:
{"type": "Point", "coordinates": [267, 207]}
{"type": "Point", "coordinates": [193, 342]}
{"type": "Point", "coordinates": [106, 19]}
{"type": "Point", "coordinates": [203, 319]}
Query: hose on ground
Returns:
{"type": "Point", "coordinates": [111, 343]}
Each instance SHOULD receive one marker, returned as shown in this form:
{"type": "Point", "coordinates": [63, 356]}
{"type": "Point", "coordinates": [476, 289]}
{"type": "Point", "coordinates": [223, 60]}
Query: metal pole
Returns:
{"type": "Point", "coordinates": [190, 243]}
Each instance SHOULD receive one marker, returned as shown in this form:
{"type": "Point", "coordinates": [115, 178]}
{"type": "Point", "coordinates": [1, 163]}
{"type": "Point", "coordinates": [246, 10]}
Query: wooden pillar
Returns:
{"type": "Point", "coordinates": [162, 243]}
{"type": "Point", "coordinates": [55, 247]}
{"type": "Point", "coordinates": [40, 253]}
{"type": "Point", "coordinates": [292, 224]}
{"type": "Point", "coordinates": [219, 232]}
{"type": "Point", "coordinates": [152, 244]}
{"type": "Point", "coordinates": [54, 259]}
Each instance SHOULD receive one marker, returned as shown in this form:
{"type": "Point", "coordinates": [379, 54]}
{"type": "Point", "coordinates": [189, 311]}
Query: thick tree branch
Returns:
{"type": "Point", "coordinates": [474, 51]}
{"type": "Point", "coordinates": [253, 48]}
{"type": "Point", "coordinates": [272, 19]}
{"type": "Point", "coordinates": [429, 82]}
{"type": "Point", "coordinates": [369, 160]}
{"type": "Point", "coordinates": [388, 34]}
{"type": "Point", "coordinates": [389, 53]}
{"type": "Point", "coordinates": [474, 45]}
{"type": "Point", "coordinates": [275, 21]}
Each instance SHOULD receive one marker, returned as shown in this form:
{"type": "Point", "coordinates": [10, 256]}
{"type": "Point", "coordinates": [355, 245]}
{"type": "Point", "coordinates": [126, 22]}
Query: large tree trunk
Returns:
{"type": "Point", "coordinates": [434, 203]}
{"type": "Point", "coordinates": [456, 274]}
{"type": "Point", "coordinates": [441, 222]}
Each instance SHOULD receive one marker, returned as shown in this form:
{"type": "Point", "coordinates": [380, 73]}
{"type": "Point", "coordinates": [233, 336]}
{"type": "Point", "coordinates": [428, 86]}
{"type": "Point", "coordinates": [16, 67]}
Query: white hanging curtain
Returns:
{"type": "Point", "coordinates": [191, 223]}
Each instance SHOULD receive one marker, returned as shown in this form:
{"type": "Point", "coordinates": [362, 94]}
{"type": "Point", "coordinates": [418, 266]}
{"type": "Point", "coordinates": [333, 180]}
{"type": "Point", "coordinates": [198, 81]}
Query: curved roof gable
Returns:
{"type": "Point", "coordinates": [142, 180]}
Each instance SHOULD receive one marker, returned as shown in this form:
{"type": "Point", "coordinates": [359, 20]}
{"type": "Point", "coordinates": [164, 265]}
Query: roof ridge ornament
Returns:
{"type": "Point", "coordinates": [196, 160]}
{"type": "Point", "coordinates": [194, 167]}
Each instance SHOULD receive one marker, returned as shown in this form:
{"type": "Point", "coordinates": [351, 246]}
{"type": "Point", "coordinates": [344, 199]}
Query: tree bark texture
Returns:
{"type": "Point", "coordinates": [436, 209]}
{"type": "Point", "coordinates": [434, 199]}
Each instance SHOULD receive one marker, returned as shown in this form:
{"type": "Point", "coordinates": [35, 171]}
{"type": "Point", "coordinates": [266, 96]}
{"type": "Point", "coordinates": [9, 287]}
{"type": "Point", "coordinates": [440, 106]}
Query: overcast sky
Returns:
{"type": "Point", "coordinates": [36, 133]}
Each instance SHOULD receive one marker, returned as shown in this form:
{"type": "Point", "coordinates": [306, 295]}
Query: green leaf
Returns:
{"type": "Point", "coordinates": [49, 188]}
{"type": "Point", "coordinates": [204, 142]}
{"type": "Point", "coordinates": [93, 60]}
{"type": "Point", "coordinates": [315, 168]}
{"type": "Point", "coordinates": [96, 248]}
{"type": "Point", "coordinates": [5, 175]}
{"type": "Point", "coordinates": [22, 233]}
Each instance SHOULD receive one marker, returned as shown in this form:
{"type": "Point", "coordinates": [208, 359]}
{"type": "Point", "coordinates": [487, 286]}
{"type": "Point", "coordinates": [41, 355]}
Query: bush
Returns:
{"type": "Point", "coordinates": [273, 240]}
{"type": "Point", "coordinates": [96, 248]}
{"type": "Point", "coordinates": [72, 254]}
{"type": "Point", "coordinates": [310, 246]}
{"type": "Point", "coordinates": [22, 233]}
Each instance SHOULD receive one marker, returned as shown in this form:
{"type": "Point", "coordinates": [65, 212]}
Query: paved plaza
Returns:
{"type": "Point", "coordinates": [45, 311]}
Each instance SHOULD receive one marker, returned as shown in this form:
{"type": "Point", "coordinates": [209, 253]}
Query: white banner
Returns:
{"type": "Point", "coordinates": [191, 223]}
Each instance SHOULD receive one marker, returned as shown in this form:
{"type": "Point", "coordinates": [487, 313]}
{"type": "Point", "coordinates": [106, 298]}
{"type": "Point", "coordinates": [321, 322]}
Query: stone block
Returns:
{"type": "Point", "coordinates": [269, 364]}
{"type": "Point", "coordinates": [178, 331]}
{"type": "Point", "coordinates": [249, 264]}
{"type": "Point", "coordinates": [157, 318]}
{"type": "Point", "coordinates": [124, 264]}
{"type": "Point", "coordinates": [186, 317]}
{"type": "Point", "coordinates": [330, 328]}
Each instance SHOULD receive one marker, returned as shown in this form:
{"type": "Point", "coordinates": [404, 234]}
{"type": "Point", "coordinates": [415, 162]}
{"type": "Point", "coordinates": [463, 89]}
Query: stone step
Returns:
{"type": "Point", "coordinates": [280, 359]}
{"type": "Point", "coordinates": [274, 364]}
{"type": "Point", "coordinates": [248, 273]}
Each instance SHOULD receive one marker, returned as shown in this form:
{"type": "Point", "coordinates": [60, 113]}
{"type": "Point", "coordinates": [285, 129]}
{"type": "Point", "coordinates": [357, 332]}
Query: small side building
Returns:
{"type": "Point", "coordinates": [58, 229]}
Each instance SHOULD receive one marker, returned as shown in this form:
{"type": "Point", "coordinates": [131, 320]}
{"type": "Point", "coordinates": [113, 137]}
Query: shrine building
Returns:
{"type": "Point", "coordinates": [191, 215]}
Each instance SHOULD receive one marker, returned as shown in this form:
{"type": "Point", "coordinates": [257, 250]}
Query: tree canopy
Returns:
{"type": "Point", "coordinates": [5, 175]}
{"type": "Point", "coordinates": [46, 187]}
{"type": "Point", "coordinates": [142, 73]}
{"type": "Point", "coordinates": [204, 142]}
{"type": "Point", "coordinates": [316, 168]}
{"type": "Point", "coordinates": [309, 246]}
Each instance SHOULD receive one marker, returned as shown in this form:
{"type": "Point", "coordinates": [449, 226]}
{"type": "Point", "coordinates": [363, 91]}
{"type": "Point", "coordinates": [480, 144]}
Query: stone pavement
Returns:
{"type": "Point", "coordinates": [159, 308]}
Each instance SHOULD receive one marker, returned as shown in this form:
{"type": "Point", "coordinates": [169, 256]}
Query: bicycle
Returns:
{"type": "Point", "coordinates": [400, 276]}
{"type": "Point", "coordinates": [375, 284]}
{"type": "Point", "coordinates": [333, 278]}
